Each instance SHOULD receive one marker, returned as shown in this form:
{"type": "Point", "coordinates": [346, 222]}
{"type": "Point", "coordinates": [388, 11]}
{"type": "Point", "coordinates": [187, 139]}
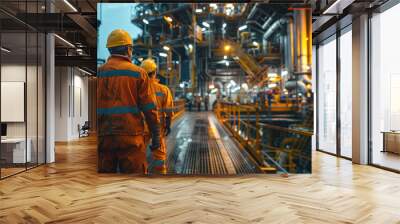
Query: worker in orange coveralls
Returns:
{"type": "Point", "coordinates": [124, 96]}
{"type": "Point", "coordinates": [165, 106]}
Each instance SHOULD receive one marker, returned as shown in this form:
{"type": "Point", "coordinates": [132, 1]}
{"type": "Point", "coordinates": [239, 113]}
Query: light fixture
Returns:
{"type": "Point", "coordinates": [213, 5]}
{"type": "Point", "coordinates": [65, 41]}
{"type": "Point", "coordinates": [272, 85]}
{"type": "Point", "coordinates": [140, 59]}
{"type": "Point", "coordinates": [145, 21]}
{"type": "Point", "coordinates": [182, 85]}
{"type": "Point", "coordinates": [199, 10]}
{"type": "Point", "coordinates": [5, 50]}
{"type": "Point", "coordinates": [190, 46]}
{"type": "Point", "coordinates": [225, 57]}
{"type": "Point", "coordinates": [168, 19]}
{"type": "Point", "coordinates": [227, 47]}
{"type": "Point", "coordinates": [206, 24]}
{"type": "Point", "coordinates": [255, 43]}
{"type": "Point", "coordinates": [211, 86]}
{"type": "Point", "coordinates": [272, 75]}
{"type": "Point", "coordinates": [203, 29]}
{"type": "Point", "coordinates": [162, 54]}
{"type": "Point", "coordinates": [227, 63]}
{"type": "Point", "coordinates": [70, 5]}
{"type": "Point", "coordinates": [84, 71]}
{"type": "Point", "coordinates": [166, 48]}
{"type": "Point", "coordinates": [243, 27]}
{"type": "Point", "coordinates": [224, 25]}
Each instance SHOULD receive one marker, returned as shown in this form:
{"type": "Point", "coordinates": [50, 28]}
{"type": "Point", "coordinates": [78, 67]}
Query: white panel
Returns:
{"type": "Point", "coordinates": [12, 101]}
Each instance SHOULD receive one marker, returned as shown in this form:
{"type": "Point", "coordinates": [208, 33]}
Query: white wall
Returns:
{"type": "Point", "coordinates": [71, 102]}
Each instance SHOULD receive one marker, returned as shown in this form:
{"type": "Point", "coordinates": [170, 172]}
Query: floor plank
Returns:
{"type": "Point", "coordinates": [71, 191]}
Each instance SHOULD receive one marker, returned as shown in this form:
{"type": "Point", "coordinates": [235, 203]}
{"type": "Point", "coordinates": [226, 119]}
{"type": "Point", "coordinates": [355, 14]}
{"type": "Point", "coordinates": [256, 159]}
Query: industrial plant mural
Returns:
{"type": "Point", "coordinates": [239, 75]}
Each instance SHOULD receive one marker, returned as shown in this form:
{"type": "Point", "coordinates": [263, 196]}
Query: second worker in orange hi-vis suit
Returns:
{"type": "Point", "coordinates": [124, 96]}
{"type": "Point", "coordinates": [165, 106]}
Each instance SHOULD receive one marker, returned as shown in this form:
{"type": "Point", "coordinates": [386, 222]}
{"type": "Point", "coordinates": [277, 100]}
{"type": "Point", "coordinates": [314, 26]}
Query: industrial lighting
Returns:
{"type": "Point", "coordinates": [203, 29]}
{"type": "Point", "coordinates": [255, 43]}
{"type": "Point", "coordinates": [140, 59]}
{"type": "Point", "coordinates": [64, 40]}
{"type": "Point", "coordinates": [5, 50]}
{"type": "Point", "coordinates": [166, 48]}
{"type": "Point", "coordinates": [272, 85]}
{"type": "Point", "coordinates": [206, 24]}
{"type": "Point", "coordinates": [272, 75]}
{"type": "Point", "coordinates": [145, 21]}
{"type": "Point", "coordinates": [162, 54]}
{"type": "Point", "coordinates": [190, 46]}
{"type": "Point", "coordinates": [199, 10]}
{"type": "Point", "coordinates": [182, 85]}
{"type": "Point", "coordinates": [243, 27]}
{"type": "Point", "coordinates": [84, 71]}
{"type": "Point", "coordinates": [224, 25]}
{"type": "Point", "coordinates": [225, 57]}
{"type": "Point", "coordinates": [70, 5]}
{"type": "Point", "coordinates": [213, 5]}
{"type": "Point", "coordinates": [169, 19]}
{"type": "Point", "coordinates": [227, 47]}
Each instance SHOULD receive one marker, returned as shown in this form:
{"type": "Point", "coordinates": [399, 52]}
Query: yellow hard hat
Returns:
{"type": "Point", "coordinates": [119, 37]}
{"type": "Point", "coordinates": [149, 65]}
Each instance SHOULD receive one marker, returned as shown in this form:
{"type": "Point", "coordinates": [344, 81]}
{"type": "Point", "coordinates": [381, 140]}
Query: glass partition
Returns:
{"type": "Point", "coordinates": [346, 93]}
{"type": "Point", "coordinates": [22, 90]}
{"type": "Point", "coordinates": [385, 85]}
{"type": "Point", "coordinates": [327, 96]}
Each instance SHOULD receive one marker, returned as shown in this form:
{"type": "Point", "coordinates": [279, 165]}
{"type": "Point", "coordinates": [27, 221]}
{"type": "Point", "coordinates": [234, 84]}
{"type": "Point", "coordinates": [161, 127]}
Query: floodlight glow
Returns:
{"type": "Point", "coordinates": [145, 21]}
{"type": "Point", "coordinates": [166, 48]}
{"type": "Point", "coordinates": [243, 27]}
{"type": "Point", "coordinates": [162, 54]}
{"type": "Point", "coordinates": [206, 24]}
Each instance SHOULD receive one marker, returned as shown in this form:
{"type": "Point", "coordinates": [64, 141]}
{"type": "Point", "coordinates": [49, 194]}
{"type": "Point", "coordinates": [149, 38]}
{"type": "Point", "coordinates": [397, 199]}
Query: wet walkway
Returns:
{"type": "Point", "coordinates": [198, 144]}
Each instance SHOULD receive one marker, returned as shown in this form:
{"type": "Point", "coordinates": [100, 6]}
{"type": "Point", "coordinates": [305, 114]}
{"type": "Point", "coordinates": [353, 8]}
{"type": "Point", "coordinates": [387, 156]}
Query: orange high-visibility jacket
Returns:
{"type": "Point", "coordinates": [165, 102]}
{"type": "Point", "coordinates": [123, 93]}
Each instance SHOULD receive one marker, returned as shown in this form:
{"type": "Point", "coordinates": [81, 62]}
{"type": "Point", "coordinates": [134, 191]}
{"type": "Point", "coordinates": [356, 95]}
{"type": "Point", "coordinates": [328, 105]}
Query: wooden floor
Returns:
{"type": "Point", "coordinates": [71, 191]}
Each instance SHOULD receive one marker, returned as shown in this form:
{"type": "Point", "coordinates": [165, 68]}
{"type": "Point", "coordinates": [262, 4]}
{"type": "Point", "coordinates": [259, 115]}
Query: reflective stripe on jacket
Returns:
{"type": "Point", "coordinates": [123, 93]}
{"type": "Point", "coordinates": [165, 103]}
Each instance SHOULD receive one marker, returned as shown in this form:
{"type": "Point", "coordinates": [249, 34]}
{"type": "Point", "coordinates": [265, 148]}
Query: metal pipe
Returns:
{"type": "Point", "coordinates": [253, 11]}
{"type": "Point", "coordinates": [268, 21]}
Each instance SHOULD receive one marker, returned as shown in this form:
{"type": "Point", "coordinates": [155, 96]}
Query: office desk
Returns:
{"type": "Point", "coordinates": [13, 150]}
{"type": "Point", "coordinates": [391, 141]}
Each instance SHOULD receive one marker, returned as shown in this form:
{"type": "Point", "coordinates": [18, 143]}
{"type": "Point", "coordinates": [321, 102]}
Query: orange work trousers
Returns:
{"type": "Point", "coordinates": [124, 153]}
{"type": "Point", "coordinates": [158, 157]}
